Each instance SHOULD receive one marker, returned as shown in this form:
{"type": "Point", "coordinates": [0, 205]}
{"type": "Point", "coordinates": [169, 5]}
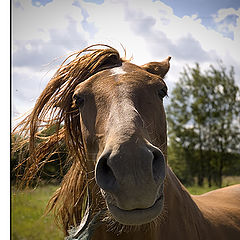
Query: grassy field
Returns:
{"type": "Point", "coordinates": [27, 220]}
{"type": "Point", "coordinates": [28, 207]}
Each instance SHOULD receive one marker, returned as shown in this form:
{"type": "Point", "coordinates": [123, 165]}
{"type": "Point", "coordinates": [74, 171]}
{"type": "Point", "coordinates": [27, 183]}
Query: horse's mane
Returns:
{"type": "Point", "coordinates": [54, 108]}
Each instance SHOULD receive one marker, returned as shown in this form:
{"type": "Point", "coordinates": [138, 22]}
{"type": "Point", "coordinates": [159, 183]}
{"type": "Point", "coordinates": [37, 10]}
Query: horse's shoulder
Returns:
{"type": "Point", "coordinates": [230, 193]}
{"type": "Point", "coordinates": [221, 204]}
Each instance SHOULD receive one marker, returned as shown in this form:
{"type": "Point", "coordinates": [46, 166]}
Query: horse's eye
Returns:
{"type": "Point", "coordinates": [78, 100]}
{"type": "Point", "coordinates": [163, 92]}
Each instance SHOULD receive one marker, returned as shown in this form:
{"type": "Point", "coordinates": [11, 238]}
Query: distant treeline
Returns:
{"type": "Point", "coordinates": [187, 165]}
{"type": "Point", "coordinates": [204, 125]}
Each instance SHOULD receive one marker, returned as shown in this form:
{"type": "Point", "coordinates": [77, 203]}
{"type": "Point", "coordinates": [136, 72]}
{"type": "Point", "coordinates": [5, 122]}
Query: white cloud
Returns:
{"type": "Point", "coordinates": [223, 13]}
{"type": "Point", "coordinates": [228, 20]}
{"type": "Point", "coordinates": [149, 30]}
{"type": "Point", "coordinates": [31, 22]}
{"type": "Point", "coordinates": [146, 28]}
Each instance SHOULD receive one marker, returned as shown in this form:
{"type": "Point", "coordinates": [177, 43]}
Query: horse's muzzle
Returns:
{"type": "Point", "coordinates": [131, 177]}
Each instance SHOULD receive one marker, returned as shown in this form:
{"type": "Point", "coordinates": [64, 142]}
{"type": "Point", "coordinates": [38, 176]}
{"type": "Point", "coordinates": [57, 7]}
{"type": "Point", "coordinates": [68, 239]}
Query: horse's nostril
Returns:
{"type": "Point", "coordinates": [104, 175]}
{"type": "Point", "coordinates": [158, 165]}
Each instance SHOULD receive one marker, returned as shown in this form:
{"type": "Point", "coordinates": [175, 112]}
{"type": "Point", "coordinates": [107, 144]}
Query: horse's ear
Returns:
{"type": "Point", "coordinates": [158, 68]}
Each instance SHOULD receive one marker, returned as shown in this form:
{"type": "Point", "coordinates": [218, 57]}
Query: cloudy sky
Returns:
{"type": "Point", "coordinates": [44, 32]}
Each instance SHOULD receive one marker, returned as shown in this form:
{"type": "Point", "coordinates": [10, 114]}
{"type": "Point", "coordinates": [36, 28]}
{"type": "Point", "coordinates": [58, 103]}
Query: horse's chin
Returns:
{"type": "Point", "coordinates": [137, 216]}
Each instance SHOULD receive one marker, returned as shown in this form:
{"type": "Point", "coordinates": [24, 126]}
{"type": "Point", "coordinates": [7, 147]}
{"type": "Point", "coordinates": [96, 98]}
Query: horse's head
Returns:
{"type": "Point", "coordinates": [110, 115]}
{"type": "Point", "coordinates": [123, 128]}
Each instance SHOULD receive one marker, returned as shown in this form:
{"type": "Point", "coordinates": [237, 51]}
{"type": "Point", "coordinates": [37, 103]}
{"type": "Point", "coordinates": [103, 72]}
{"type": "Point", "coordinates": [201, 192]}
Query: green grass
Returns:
{"type": "Point", "coordinates": [227, 181]}
{"type": "Point", "coordinates": [28, 207]}
{"type": "Point", "coordinates": [27, 217]}
{"type": "Point", "coordinates": [196, 190]}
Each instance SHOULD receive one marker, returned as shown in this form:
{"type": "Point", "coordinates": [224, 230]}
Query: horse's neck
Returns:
{"type": "Point", "coordinates": [180, 215]}
{"type": "Point", "coordinates": [181, 211]}
{"type": "Point", "coordinates": [176, 195]}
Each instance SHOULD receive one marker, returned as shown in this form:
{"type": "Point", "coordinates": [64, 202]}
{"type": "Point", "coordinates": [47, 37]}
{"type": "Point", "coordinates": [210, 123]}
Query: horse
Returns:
{"type": "Point", "coordinates": [109, 113]}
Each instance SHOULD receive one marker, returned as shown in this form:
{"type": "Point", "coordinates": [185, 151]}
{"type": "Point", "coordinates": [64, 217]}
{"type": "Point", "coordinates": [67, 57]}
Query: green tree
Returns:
{"type": "Point", "coordinates": [203, 118]}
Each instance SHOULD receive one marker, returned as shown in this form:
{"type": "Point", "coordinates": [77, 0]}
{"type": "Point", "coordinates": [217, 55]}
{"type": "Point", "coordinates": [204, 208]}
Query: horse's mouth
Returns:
{"type": "Point", "coordinates": [137, 216]}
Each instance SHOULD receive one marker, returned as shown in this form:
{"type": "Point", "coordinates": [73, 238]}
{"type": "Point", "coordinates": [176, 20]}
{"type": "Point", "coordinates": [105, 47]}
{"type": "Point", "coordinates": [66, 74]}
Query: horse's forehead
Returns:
{"type": "Point", "coordinates": [126, 77]}
{"type": "Point", "coordinates": [125, 73]}
{"type": "Point", "coordinates": [117, 71]}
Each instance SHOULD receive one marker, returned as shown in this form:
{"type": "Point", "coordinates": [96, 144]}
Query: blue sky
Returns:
{"type": "Point", "coordinates": [46, 31]}
{"type": "Point", "coordinates": [204, 8]}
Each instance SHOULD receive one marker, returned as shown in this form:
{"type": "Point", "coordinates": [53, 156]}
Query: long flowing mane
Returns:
{"type": "Point", "coordinates": [54, 108]}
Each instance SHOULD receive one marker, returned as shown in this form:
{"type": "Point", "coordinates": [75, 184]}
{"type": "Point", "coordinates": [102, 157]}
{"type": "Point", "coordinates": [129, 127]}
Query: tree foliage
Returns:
{"type": "Point", "coordinates": [53, 171]}
{"type": "Point", "coordinates": [203, 118]}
